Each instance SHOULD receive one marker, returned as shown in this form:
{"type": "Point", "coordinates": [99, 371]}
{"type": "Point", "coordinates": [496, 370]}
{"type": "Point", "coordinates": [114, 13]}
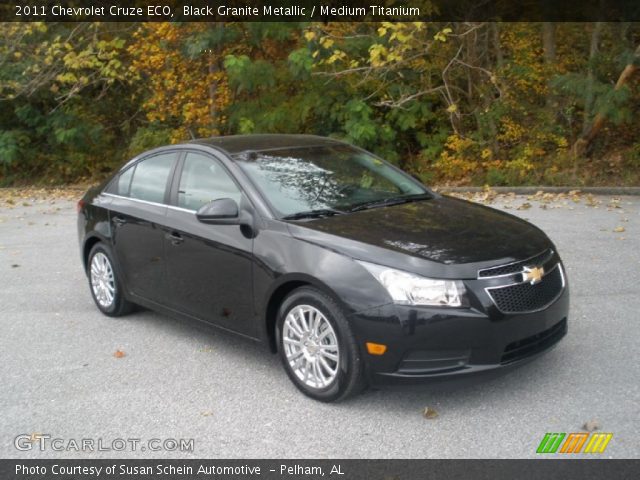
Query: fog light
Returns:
{"type": "Point", "coordinates": [376, 348]}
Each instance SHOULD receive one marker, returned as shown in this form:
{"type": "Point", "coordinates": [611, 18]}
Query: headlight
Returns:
{"type": "Point", "coordinates": [409, 289]}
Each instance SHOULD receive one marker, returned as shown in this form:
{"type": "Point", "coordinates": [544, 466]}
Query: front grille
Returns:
{"type": "Point", "coordinates": [524, 297]}
{"type": "Point", "coordinates": [516, 267]}
{"type": "Point", "coordinates": [534, 344]}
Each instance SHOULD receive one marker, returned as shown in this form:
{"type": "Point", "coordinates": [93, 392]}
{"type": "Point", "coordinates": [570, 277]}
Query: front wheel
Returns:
{"type": "Point", "coordinates": [317, 347]}
{"type": "Point", "coordinates": [106, 287]}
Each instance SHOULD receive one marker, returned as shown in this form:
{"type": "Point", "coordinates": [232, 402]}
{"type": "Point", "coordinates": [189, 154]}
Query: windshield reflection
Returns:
{"type": "Point", "coordinates": [337, 177]}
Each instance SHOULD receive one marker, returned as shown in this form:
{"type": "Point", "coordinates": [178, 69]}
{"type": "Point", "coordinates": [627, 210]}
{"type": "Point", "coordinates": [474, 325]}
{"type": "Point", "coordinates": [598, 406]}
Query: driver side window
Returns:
{"type": "Point", "coordinates": [204, 179]}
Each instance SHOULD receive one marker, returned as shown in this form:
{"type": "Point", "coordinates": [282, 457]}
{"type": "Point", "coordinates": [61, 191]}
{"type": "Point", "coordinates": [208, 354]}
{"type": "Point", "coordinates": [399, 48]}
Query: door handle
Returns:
{"type": "Point", "coordinates": [119, 221]}
{"type": "Point", "coordinates": [175, 237]}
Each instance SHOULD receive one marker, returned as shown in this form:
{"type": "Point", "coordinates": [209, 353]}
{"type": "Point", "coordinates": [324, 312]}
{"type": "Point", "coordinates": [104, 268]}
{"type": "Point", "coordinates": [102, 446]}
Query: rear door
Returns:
{"type": "Point", "coordinates": [138, 213]}
{"type": "Point", "coordinates": [209, 267]}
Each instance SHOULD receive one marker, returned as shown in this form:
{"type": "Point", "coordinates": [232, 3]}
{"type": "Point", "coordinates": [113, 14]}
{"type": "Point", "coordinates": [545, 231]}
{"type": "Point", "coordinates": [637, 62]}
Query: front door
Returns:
{"type": "Point", "coordinates": [209, 267]}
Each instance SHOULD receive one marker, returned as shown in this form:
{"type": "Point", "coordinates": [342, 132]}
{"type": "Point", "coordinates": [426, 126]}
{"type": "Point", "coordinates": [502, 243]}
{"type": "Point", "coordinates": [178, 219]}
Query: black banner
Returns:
{"type": "Point", "coordinates": [320, 10]}
{"type": "Point", "coordinates": [316, 469]}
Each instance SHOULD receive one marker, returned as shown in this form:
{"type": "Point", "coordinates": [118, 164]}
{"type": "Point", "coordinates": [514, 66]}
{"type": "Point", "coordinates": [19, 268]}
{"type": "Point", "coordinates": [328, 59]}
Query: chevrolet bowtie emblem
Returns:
{"type": "Point", "coordinates": [532, 275]}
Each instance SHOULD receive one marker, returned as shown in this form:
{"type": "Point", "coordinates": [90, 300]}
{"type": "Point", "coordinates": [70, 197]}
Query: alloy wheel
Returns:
{"type": "Point", "coordinates": [311, 346]}
{"type": "Point", "coordinates": [102, 280]}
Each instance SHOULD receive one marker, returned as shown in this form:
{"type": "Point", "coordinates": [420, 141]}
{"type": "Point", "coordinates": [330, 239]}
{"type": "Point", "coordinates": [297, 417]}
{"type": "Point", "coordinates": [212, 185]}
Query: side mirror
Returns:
{"type": "Point", "coordinates": [223, 211]}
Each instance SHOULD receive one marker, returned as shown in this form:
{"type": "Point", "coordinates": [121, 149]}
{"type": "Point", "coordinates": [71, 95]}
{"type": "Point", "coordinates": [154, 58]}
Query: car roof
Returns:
{"type": "Point", "coordinates": [234, 144]}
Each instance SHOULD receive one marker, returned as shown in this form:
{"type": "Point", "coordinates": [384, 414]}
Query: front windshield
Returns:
{"type": "Point", "coordinates": [336, 177]}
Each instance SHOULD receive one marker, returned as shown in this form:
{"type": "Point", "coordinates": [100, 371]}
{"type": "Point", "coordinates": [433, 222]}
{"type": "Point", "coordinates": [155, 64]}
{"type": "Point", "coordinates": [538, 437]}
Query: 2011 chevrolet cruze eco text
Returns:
{"type": "Point", "coordinates": [352, 271]}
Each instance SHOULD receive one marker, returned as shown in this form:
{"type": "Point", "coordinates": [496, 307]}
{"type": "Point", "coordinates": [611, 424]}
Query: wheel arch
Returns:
{"type": "Point", "coordinates": [279, 292]}
{"type": "Point", "coordinates": [88, 245]}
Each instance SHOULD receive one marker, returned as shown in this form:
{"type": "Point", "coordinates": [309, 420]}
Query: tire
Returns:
{"type": "Point", "coordinates": [106, 289]}
{"type": "Point", "coordinates": [315, 366]}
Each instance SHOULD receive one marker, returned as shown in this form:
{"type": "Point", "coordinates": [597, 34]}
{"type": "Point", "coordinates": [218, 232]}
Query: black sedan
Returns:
{"type": "Point", "coordinates": [348, 268]}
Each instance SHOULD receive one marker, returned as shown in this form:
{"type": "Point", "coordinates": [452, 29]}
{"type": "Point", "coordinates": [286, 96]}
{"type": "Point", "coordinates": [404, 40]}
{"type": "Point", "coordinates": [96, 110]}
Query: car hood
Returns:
{"type": "Point", "coordinates": [443, 237]}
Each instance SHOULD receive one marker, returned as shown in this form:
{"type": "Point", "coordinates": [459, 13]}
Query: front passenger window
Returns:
{"type": "Point", "coordinates": [204, 179]}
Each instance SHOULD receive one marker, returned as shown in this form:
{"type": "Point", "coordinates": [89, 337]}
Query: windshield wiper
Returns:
{"type": "Point", "coordinates": [320, 212]}
{"type": "Point", "coordinates": [386, 202]}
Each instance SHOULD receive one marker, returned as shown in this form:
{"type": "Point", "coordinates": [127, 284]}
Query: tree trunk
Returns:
{"type": "Point", "coordinates": [213, 67]}
{"type": "Point", "coordinates": [598, 122]}
{"type": "Point", "coordinates": [549, 41]}
{"type": "Point", "coordinates": [495, 31]}
{"type": "Point", "coordinates": [588, 99]}
{"type": "Point", "coordinates": [549, 48]}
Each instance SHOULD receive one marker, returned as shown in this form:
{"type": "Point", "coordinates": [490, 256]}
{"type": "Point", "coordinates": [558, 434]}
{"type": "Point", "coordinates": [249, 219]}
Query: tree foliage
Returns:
{"type": "Point", "coordinates": [454, 103]}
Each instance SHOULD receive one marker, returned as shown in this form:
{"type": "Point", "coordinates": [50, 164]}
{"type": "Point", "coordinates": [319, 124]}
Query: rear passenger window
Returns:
{"type": "Point", "coordinates": [124, 181]}
{"type": "Point", "coordinates": [150, 178]}
{"type": "Point", "coordinates": [204, 179]}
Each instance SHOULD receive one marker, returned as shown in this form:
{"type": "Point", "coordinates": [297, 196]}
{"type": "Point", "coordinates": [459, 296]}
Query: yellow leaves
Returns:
{"type": "Point", "coordinates": [67, 77]}
{"type": "Point", "coordinates": [441, 36]}
{"type": "Point", "coordinates": [336, 56]}
{"type": "Point", "coordinates": [510, 130]}
{"type": "Point", "coordinates": [458, 159]}
{"type": "Point", "coordinates": [452, 108]}
{"type": "Point", "coordinates": [377, 54]}
{"type": "Point", "coordinates": [309, 35]}
{"type": "Point", "coordinates": [327, 42]}
{"type": "Point", "coordinates": [179, 85]}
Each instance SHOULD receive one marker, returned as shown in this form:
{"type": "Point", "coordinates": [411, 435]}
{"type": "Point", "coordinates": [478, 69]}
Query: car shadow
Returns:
{"type": "Point", "coordinates": [459, 393]}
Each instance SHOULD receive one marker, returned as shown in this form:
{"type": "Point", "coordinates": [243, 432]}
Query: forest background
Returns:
{"type": "Point", "coordinates": [451, 103]}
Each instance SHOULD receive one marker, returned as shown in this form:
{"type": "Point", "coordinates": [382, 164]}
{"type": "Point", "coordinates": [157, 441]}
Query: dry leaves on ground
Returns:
{"type": "Point", "coordinates": [28, 196]}
{"type": "Point", "coordinates": [545, 200]}
{"type": "Point", "coordinates": [119, 354]}
{"type": "Point", "coordinates": [429, 413]}
{"type": "Point", "coordinates": [591, 425]}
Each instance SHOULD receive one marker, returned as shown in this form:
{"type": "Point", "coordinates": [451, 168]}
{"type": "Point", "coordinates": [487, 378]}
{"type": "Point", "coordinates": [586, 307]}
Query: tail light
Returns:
{"type": "Point", "coordinates": [80, 205]}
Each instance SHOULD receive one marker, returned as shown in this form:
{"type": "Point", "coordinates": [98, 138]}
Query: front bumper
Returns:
{"type": "Point", "coordinates": [425, 343]}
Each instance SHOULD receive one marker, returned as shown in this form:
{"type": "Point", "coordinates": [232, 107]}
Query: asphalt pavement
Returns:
{"type": "Point", "coordinates": [60, 376]}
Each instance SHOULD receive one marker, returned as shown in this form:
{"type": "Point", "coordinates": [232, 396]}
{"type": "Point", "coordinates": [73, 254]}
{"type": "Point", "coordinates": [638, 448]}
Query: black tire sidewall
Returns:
{"type": "Point", "coordinates": [346, 344]}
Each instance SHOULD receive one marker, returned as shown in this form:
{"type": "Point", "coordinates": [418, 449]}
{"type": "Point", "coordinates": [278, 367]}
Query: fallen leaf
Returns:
{"type": "Point", "coordinates": [429, 413]}
{"type": "Point", "coordinates": [591, 425]}
{"type": "Point", "coordinates": [15, 265]}
{"type": "Point", "coordinates": [525, 206]}
{"type": "Point", "coordinates": [591, 201]}
{"type": "Point", "coordinates": [206, 413]}
{"type": "Point", "coordinates": [619, 229]}
{"type": "Point", "coordinates": [119, 354]}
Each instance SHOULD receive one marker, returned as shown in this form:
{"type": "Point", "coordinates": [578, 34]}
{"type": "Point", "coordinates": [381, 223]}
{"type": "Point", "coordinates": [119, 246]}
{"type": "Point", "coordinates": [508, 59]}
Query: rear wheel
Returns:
{"type": "Point", "coordinates": [317, 348]}
{"type": "Point", "coordinates": [106, 286]}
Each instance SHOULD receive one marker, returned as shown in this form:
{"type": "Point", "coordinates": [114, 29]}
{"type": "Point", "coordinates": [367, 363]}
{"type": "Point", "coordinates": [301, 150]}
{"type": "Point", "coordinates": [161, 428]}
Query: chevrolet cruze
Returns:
{"type": "Point", "coordinates": [351, 270]}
